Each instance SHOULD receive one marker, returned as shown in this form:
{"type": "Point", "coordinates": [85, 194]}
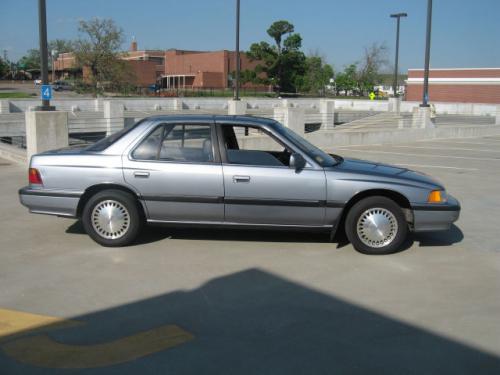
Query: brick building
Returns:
{"type": "Point", "coordinates": [147, 65]}
{"type": "Point", "coordinates": [65, 66]}
{"type": "Point", "coordinates": [456, 85]}
{"type": "Point", "coordinates": [202, 69]}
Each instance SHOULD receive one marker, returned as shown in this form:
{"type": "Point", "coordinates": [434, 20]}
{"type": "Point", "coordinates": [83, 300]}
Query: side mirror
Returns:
{"type": "Point", "coordinates": [297, 161]}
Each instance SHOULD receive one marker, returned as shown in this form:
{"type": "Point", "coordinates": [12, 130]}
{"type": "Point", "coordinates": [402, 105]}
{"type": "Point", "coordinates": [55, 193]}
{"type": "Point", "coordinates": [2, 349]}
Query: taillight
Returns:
{"type": "Point", "coordinates": [34, 176]}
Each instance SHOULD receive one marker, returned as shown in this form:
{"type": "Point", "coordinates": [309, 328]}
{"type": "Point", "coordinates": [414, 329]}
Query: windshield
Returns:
{"type": "Point", "coordinates": [321, 157]}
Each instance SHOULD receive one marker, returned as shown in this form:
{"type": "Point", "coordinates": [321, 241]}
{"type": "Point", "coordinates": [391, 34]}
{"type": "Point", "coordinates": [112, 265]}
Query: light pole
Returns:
{"type": "Point", "coordinates": [425, 101]}
{"type": "Point", "coordinates": [53, 54]}
{"type": "Point", "coordinates": [395, 82]}
{"type": "Point", "coordinates": [237, 78]}
{"type": "Point", "coordinates": [42, 23]}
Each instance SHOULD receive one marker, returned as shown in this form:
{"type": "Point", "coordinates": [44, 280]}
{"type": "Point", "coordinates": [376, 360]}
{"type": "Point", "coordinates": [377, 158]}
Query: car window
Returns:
{"type": "Point", "coordinates": [109, 140]}
{"type": "Point", "coordinates": [149, 147]}
{"type": "Point", "coordinates": [177, 142]}
{"type": "Point", "coordinates": [242, 147]}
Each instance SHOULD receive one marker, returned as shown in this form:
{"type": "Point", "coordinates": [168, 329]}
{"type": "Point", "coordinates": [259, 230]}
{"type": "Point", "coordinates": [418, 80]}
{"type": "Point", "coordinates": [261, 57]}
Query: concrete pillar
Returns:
{"type": "Point", "coordinates": [113, 116]}
{"type": "Point", "coordinates": [291, 117]}
{"type": "Point", "coordinates": [327, 113]}
{"type": "Point", "coordinates": [46, 131]}
{"type": "Point", "coordinates": [395, 105]}
{"type": "Point", "coordinates": [422, 118]}
{"type": "Point", "coordinates": [4, 106]}
{"type": "Point", "coordinates": [497, 119]}
{"type": "Point", "coordinates": [236, 107]}
{"type": "Point", "coordinates": [178, 104]}
{"type": "Point", "coordinates": [98, 106]}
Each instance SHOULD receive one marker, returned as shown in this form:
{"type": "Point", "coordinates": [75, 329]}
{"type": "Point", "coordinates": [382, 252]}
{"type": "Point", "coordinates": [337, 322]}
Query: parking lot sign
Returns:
{"type": "Point", "coordinates": [46, 92]}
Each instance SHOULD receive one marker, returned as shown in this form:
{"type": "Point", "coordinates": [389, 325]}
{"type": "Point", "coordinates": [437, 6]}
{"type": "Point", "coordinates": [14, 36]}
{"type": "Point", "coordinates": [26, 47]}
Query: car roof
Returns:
{"type": "Point", "coordinates": [247, 120]}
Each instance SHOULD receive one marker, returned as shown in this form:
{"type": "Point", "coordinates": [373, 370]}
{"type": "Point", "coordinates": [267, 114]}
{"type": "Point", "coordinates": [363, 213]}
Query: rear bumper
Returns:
{"type": "Point", "coordinates": [434, 217]}
{"type": "Point", "coordinates": [50, 202]}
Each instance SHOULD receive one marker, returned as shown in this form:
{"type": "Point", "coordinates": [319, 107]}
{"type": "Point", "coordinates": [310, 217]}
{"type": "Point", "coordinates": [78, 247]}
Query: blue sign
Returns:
{"type": "Point", "coordinates": [46, 92]}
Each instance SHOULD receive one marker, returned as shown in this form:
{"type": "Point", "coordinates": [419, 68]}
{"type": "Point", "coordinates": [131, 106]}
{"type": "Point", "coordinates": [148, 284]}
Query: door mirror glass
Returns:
{"type": "Point", "coordinates": [297, 161]}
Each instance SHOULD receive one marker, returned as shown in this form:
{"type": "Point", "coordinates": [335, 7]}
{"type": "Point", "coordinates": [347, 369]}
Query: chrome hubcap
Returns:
{"type": "Point", "coordinates": [110, 219]}
{"type": "Point", "coordinates": [377, 227]}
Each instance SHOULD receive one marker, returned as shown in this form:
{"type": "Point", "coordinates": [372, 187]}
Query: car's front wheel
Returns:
{"type": "Point", "coordinates": [112, 218]}
{"type": "Point", "coordinates": [376, 225]}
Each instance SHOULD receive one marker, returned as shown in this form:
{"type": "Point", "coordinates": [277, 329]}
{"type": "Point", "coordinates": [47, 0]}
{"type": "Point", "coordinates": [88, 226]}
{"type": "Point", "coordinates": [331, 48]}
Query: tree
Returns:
{"type": "Point", "coordinates": [374, 59]}
{"type": "Point", "coordinates": [61, 46]}
{"type": "Point", "coordinates": [347, 80]}
{"type": "Point", "coordinates": [282, 63]}
{"type": "Point", "coordinates": [99, 53]}
{"type": "Point", "coordinates": [4, 68]}
{"type": "Point", "coordinates": [30, 61]}
{"type": "Point", "coordinates": [317, 75]}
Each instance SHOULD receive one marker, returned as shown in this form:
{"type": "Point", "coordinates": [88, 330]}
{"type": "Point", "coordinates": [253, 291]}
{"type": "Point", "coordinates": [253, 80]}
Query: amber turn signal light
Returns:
{"type": "Point", "coordinates": [436, 196]}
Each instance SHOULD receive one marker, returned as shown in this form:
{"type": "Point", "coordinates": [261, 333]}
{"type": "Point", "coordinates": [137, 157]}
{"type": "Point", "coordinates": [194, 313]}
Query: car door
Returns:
{"type": "Point", "coordinates": [260, 188]}
{"type": "Point", "coordinates": [178, 173]}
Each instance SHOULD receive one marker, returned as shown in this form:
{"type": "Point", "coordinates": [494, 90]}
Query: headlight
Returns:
{"type": "Point", "coordinates": [437, 196]}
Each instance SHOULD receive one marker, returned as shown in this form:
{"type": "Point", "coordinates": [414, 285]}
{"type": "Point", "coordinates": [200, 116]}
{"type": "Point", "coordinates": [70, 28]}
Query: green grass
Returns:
{"type": "Point", "coordinates": [15, 95]}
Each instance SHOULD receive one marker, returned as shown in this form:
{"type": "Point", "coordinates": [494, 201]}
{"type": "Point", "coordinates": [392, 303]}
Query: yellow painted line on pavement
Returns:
{"type": "Point", "coordinates": [14, 322]}
{"type": "Point", "coordinates": [42, 351]}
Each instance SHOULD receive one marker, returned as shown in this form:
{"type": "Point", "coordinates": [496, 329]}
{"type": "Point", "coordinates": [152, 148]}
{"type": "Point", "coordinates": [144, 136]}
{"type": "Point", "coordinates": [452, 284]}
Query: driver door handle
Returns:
{"type": "Point", "coordinates": [237, 179]}
{"type": "Point", "coordinates": [138, 174]}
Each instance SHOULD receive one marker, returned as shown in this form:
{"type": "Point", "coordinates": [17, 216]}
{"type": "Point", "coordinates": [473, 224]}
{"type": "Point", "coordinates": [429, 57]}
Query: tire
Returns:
{"type": "Point", "coordinates": [385, 238]}
{"type": "Point", "coordinates": [128, 218]}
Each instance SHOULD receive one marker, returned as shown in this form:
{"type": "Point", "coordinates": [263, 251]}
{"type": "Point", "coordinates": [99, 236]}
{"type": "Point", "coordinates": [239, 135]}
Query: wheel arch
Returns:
{"type": "Point", "coordinates": [397, 197]}
{"type": "Point", "coordinates": [94, 189]}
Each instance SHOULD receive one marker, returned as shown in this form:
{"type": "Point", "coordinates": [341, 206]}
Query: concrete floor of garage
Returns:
{"type": "Point", "coordinates": [269, 302]}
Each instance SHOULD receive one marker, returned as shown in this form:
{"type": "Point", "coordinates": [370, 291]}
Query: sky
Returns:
{"type": "Point", "coordinates": [465, 33]}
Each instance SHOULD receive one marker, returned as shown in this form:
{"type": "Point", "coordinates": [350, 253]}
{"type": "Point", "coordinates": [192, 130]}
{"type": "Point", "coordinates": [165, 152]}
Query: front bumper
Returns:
{"type": "Point", "coordinates": [434, 217]}
{"type": "Point", "coordinates": [50, 202]}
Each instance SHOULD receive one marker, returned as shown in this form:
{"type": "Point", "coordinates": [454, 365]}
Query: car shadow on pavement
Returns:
{"type": "Point", "coordinates": [249, 322]}
{"type": "Point", "coordinates": [151, 234]}
{"type": "Point", "coordinates": [154, 233]}
{"type": "Point", "coordinates": [441, 238]}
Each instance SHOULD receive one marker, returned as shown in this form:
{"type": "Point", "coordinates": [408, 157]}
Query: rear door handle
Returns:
{"type": "Point", "coordinates": [237, 179]}
{"type": "Point", "coordinates": [138, 174]}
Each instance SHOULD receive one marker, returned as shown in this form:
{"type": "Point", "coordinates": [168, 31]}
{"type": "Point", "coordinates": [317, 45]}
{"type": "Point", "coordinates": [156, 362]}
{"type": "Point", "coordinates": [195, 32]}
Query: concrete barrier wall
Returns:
{"type": "Point", "coordinates": [327, 140]}
{"type": "Point", "coordinates": [362, 105]}
{"type": "Point", "coordinates": [220, 104]}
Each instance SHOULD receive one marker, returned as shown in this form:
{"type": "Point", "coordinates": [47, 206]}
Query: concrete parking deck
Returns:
{"type": "Point", "coordinates": [259, 302]}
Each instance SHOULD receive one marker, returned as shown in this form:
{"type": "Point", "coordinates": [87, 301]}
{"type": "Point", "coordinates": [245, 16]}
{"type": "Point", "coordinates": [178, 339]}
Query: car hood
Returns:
{"type": "Point", "coordinates": [379, 171]}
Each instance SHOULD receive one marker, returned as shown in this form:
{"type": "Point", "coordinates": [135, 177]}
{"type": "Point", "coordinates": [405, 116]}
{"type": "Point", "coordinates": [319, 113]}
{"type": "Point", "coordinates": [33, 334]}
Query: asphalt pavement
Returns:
{"type": "Point", "coordinates": [193, 301]}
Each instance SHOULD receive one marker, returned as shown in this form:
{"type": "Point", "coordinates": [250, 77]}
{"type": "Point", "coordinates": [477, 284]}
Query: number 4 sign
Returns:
{"type": "Point", "coordinates": [46, 92]}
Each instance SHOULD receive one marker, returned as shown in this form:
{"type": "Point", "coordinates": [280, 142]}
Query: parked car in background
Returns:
{"type": "Point", "coordinates": [38, 82]}
{"type": "Point", "coordinates": [62, 86]}
{"type": "Point", "coordinates": [232, 171]}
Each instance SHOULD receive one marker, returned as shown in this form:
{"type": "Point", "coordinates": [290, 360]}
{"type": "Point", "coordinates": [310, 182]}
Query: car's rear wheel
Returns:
{"type": "Point", "coordinates": [376, 225]}
{"type": "Point", "coordinates": [112, 218]}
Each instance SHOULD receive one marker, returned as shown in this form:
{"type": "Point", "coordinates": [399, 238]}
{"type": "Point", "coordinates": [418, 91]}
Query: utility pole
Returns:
{"type": "Point", "coordinates": [395, 81]}
{"type": "Point", "coordinates": [237, 78]}
{"type": "Point", "coordinates": [42, 23]}
{"type": "Point", "coordinates": [425, 101]}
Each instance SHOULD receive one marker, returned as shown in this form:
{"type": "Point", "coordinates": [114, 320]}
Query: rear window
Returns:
{"type": "Point", "coordinates": [108, 141]}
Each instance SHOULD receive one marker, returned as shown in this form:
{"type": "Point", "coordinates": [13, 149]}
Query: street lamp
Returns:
{"type": "Point", "coordinates": [42, 23]}
{"type": "Point", "coordinates": [53, 54]}
{"type": "Point", "coordinates": [237, 78]}
{"type": "Point", "coordinates": [395, 82]}
{"type": "Point", "coordinates": [425, 101]}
